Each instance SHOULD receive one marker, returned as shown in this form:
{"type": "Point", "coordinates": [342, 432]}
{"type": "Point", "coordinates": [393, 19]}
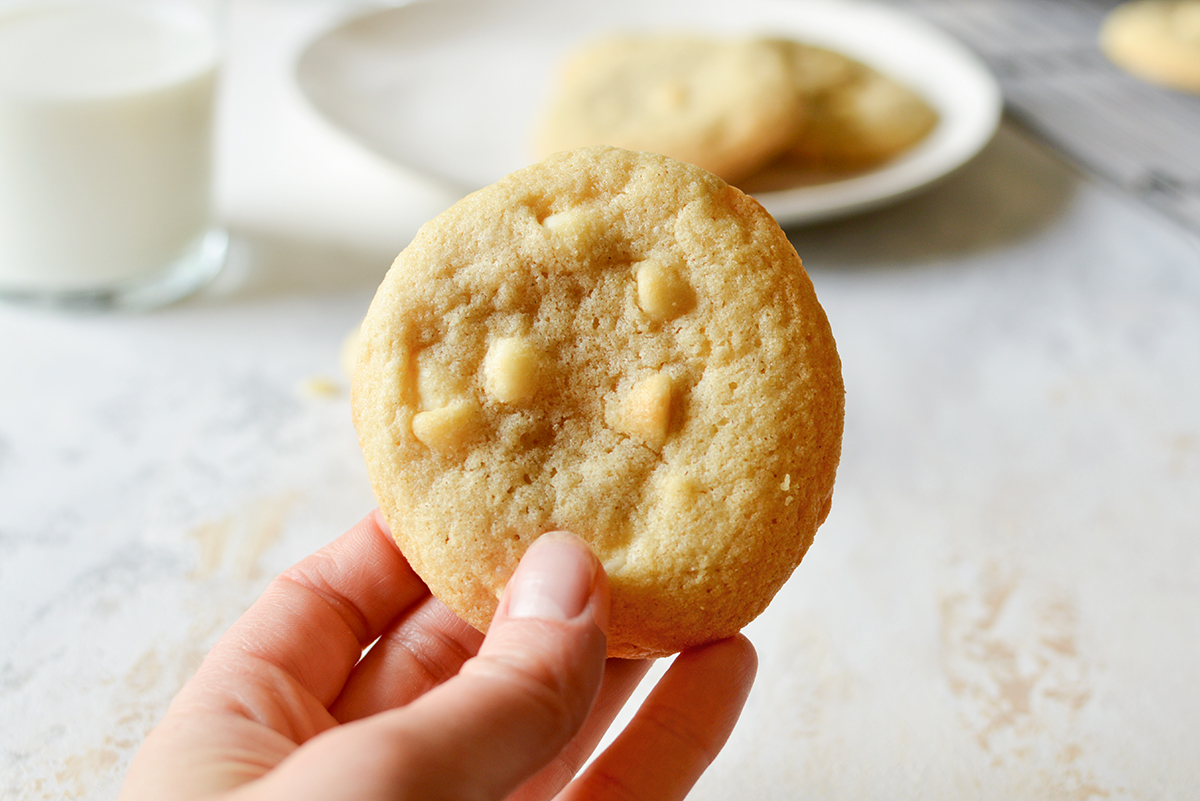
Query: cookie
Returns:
{"type": "Point", "coordinates": [724, 105]}
{"type": "Point", "coordinates": [856, 116]}
{"type": "Point", "coordinates": [817, 71]}
{"type": "Point", "coordinates": [1157, 40]}
{"type": "Point", "coordinates": [616, 344]}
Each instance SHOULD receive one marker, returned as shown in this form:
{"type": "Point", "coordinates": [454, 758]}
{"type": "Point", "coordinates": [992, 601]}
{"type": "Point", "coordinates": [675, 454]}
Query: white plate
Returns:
{"type": "Point", "coordinates": [450, 88]}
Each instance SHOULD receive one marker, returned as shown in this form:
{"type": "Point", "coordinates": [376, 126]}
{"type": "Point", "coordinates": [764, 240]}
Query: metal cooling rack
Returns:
{"type": "Point", "coordinates": [1144, 138]}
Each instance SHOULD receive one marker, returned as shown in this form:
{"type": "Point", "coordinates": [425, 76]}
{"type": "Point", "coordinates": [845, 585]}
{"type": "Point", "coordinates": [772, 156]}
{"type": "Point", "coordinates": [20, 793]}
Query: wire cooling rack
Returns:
{"type": "Point", "coordinates": [1057, 82]}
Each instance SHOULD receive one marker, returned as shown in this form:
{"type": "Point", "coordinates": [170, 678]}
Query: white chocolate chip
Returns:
{"type": "Point", "coordinates": [448, 428]}
{"type": "Point", "coordinates": [662, 294]}
{"type": "Point", "coordinates": [787, 482]}
{"type": "Point", "coordinates": [615, 563]}
{"type": "Point", "coordinates": [511, 370]}
{"type": "Point", "coordinates": [645, 413]}
{"type": "Point", "coordinates": [576, 228]}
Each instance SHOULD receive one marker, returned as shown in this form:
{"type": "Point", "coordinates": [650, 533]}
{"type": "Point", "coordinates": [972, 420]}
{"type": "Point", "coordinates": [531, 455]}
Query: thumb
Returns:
{"type": "Point", "coordinates": [511, 708]}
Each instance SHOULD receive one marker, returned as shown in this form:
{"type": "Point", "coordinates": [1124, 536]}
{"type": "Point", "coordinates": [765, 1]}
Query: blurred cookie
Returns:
{"type": "Point", "coordinates": [856, 117]}
{"type": "Point", "coordinates": [619, 345]}
{"type": "Point", "coordinates": [1158, 40]}
{"type": "Point", "coordinates": [817, 71]}
{"type": "Point", "coordinates": [724, 105]}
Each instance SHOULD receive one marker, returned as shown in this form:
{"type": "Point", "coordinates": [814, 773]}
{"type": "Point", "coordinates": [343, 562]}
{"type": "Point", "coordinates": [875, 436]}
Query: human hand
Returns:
{"type": "Point", "coordinates": [287, 705]}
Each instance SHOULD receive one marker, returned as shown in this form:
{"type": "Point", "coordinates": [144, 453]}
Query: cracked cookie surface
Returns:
{"type": "Point", "coordinates": [615, 344]}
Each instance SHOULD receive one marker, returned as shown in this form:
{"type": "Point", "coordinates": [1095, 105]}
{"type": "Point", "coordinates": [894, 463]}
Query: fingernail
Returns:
{"type": "Point", "coordinates": [554, 579]}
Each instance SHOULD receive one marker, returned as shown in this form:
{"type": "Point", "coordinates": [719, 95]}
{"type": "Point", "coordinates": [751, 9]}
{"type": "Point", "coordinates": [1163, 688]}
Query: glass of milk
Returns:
{"type": "Point", "coordinates": [106, 138]}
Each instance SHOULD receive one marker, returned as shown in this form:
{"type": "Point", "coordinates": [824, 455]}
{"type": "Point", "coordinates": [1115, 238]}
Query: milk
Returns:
{"type": "Point", "coordinates": [105, 142]}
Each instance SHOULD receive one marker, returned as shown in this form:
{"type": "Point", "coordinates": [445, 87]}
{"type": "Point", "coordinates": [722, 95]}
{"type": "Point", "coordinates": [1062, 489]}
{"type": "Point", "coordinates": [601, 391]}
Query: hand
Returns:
{"type": "Point", "coordinates": [287, 705]}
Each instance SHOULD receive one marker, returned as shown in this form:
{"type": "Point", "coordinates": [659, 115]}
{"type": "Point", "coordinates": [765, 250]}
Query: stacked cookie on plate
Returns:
{"type": "Point", "coordinates": [736, 107]}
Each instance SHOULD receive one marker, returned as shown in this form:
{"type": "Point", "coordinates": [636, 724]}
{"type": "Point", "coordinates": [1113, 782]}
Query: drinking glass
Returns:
{"type": "Point", "coordinates": [106, 140]}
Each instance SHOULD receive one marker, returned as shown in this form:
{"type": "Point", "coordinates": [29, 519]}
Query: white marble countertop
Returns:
{"type": "Point", "coordinates": [1003, 604]}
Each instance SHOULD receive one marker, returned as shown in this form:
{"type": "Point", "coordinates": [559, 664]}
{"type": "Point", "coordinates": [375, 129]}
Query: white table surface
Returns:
{"type": "Point", "coordinates": [1004, 603]}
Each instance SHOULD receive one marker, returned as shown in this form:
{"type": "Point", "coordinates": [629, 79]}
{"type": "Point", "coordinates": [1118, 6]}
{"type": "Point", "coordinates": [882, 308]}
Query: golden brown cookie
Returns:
{"type": "Point", "coordinates": [817, 71]}
{"type": "Point", "coordinates": [615, 344]}
{"type": "Point", "coordinates": [856, 116]}
{"type": "Point", "coordinates": [1158, 40]}
{"type": "Point", "coordinates": [725, 105]}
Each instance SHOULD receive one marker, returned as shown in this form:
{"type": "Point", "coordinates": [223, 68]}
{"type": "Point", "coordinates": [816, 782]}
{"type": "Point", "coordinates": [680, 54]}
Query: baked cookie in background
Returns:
{"type": "Point", "coordinates": [724, 105]}
{"type": "Point", "coordinates": [816, 71]}
{"type": "Point", "coordinates": [620, 345]}
{"type": "Point", "coordinates": [1157, 40]}
{"type": "Point", "coordinates": [760, 112]}
{"type": "Point", "coordinates": [856, 117]}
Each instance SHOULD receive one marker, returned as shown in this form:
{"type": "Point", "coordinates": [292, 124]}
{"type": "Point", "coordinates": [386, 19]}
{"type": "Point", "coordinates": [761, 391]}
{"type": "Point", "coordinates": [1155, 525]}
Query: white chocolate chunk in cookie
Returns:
{"type": "Point", "coordinates": [645, 413]}
{"type": "Point", "coordinates": [615, 563]}
{"type": "Point", "coordinates": [448, 428]}
{"type": "Point", "coordinates": [662, 293]}
{"type": "Point", "coordinates": [511, 370]}
{"type": "Point", "coordinates": [576, 228]}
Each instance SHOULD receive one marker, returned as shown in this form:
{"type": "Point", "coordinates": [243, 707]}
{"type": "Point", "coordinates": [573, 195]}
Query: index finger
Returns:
{"type": "Point", "coordinates": [314, 620]}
